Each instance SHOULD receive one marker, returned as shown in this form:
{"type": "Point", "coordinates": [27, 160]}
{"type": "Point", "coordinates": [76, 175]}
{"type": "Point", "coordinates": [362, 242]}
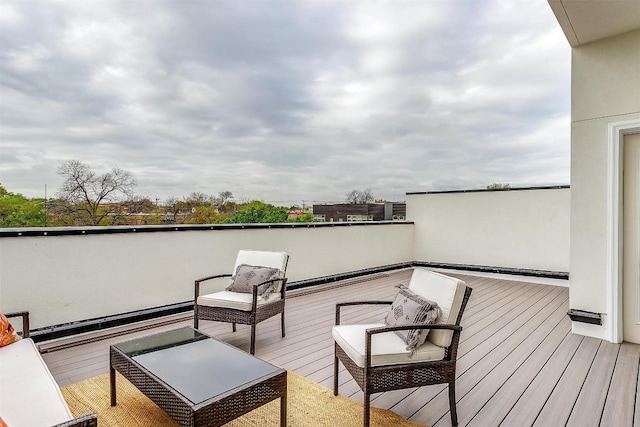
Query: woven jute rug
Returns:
{"type": "Point", "coordinates": [308, 405]}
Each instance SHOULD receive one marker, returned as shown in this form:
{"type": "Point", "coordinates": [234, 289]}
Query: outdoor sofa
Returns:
{"type": "Point", "coordinates": [29, 395]}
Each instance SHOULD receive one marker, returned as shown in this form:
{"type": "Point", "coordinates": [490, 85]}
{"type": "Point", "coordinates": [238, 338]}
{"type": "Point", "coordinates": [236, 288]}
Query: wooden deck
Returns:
{"type": "Point", "coordinates": [518, 362]}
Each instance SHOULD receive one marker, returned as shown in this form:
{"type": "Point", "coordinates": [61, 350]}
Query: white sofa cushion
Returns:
{"type": "Point", "coordinates": [447, 292]}
{"type": "Point", "coordinates": [235, 300]}
{"type": "Point", "coordinates": [387, 348]}
{"type": "Point", "coordinates": [29, 395]}
{"type": "Point", "coordinates": [274, 259]}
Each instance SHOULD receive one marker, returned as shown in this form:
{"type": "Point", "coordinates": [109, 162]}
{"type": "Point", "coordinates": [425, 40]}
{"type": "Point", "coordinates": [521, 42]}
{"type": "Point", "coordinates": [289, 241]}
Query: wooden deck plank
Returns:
{"type": "Point", "coordinates": [475, 401]}
{"type": "Point", "coordinates": [636, 414]}
{"type": "Point", "coordinates": [518, 363]}
{"type": "Point", "coordinates": [556, 411]}
{"type": "Point", "coordinates": [496, 317]}
{"type": "Point", "coordinates": [619, 410]}
{"type": "Point", "coordinates": [591, 400]}
{"type": "Point", "coordinates": [500, 403]}
{"type": "Point", "coordinates": [475, 370]}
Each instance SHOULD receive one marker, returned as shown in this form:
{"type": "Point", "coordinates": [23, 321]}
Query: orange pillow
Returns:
{"type": "Point", "coordinates": [2, 423]}
{"type": "Point", "coordinates": [8, 334]}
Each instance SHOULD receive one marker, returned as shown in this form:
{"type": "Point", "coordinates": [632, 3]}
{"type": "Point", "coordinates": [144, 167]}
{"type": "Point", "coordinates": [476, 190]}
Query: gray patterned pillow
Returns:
{"type": "Point", "coordinates": [409, 308]}
{"type": "Point", "coordinates": [247, 276]}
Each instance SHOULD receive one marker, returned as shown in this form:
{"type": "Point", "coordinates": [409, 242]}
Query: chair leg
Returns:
{"type": "Point", "coordinates": [282, 323]}
{"type": "Point", "coordinates": [335, 375]}
{"type": "Point", "coordinates": [195, 316]}
{"type": "Point", "coordinates": [367, 408]}
{"type": "Point", "coordinates": [452, 403]}
{"type": "Point", "coordinates": [233, 327]}
{"type": "Point", "coordinates": [253, 339]}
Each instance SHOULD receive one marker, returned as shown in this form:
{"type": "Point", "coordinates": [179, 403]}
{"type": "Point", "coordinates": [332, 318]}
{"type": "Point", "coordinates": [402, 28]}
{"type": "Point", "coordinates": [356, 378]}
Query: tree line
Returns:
{"type": "Point", "coordinates": [87, 198]}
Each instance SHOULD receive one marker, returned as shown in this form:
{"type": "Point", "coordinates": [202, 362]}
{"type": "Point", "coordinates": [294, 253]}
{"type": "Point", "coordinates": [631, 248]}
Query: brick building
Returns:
{"type": "Point", "coordinates": [388, 211]}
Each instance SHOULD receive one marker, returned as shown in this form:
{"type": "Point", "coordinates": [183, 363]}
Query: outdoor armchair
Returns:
{"type": "Point", "coordinates": [379, 359]}
{"type": "Point", "coordinates": [256, 293]}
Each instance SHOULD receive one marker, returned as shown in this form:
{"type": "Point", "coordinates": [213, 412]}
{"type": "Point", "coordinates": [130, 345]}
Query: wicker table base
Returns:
{"type": "Point", "coordinates": [182, 371]}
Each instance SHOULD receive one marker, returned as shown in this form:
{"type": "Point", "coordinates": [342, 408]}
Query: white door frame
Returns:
{"type": "Point", "coordinates": [617, 132]}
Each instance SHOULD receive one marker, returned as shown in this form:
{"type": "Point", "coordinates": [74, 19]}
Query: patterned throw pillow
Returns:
{"type": "Point", "coordinates": [248, 276]}
{"type": "Point", "coordinates": [8, 334]}
{"type": "Point", "coordinates": [409, 308]}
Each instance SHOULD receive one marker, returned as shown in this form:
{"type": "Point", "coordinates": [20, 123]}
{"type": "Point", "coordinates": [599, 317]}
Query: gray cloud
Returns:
{"type": "Point", "coordinates": [285, 100]}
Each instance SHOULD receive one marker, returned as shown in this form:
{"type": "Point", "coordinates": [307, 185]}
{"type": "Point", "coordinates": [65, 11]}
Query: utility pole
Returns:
{"type": "Point", "coordinates": [46, 212]}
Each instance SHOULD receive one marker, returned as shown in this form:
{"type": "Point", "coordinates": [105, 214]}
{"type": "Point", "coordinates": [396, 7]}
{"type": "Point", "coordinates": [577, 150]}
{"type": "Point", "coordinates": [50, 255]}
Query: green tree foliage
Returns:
{"type": "Point", "coordinates": [19, 211]}
{"type": "Point", "coordinates": [307, 217]}
{"type": "Point", "coordinates": [256, 212]}
{"type": "Point", "coordinates": [205, 215]}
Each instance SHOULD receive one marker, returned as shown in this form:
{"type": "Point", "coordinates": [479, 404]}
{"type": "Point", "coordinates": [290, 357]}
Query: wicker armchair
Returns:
{"type": "Point", "coordinates": [245, 308]}
{"type": "Point", "coordinates": [377, 359]}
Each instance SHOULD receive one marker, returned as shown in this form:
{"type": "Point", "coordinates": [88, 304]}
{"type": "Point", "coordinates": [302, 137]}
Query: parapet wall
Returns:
{"type": "Point", "coordinates": [517, 228]}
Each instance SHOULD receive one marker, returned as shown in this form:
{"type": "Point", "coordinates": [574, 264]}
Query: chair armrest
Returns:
{"type": "Point", "coordinates": [198, 281]}
{"type": "Point", "coordinates": [89, 420]}
{"type": "Point", "coordinates": [254, 300]}
{"type": "Point", "coordinates": [351, 303]}
{"type": "Point", "coordinates": [283, 288]}
{"type": "Point", "coordinates": [284, 279]}
{"type": "Point", "coordinates": [25, 321]}
{"type": "Point", "coordinates": [216, 276]}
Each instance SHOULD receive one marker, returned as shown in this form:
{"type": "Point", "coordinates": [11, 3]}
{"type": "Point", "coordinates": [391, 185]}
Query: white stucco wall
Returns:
{"type": "Point", "coordinates": [522, 229]}
{"type": "Point", "coordinates": [61, 279]}
{"type": "Point", "coordinates": [605, 89]}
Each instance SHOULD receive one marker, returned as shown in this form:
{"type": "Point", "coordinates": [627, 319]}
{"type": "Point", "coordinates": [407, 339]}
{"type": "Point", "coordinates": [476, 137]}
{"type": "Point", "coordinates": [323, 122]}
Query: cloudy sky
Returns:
{"type": "Point", "coordinates": [285, 101]}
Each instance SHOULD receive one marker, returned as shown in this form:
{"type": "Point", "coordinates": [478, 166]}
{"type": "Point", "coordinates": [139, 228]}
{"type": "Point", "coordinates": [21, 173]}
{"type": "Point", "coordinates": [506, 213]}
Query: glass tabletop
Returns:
{"type": "Point", "coordinates": [195, 365]}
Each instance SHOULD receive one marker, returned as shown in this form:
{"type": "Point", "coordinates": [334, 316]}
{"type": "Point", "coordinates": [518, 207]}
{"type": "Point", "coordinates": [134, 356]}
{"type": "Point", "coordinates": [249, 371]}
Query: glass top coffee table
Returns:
{"type": "Point", "coordinates": [196, 379]}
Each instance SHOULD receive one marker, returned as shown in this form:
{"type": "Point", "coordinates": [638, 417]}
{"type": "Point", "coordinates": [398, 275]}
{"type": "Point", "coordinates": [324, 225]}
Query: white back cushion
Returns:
{"type": "Point", "coordinates": [263, 259]}
{"type": "Point", "coordinates": [447, 291]}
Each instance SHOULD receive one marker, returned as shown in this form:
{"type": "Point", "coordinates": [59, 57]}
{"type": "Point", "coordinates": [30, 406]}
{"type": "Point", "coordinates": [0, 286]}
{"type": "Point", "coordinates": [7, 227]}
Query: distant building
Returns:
{"type": "Point", "coordinates": [387, 211]}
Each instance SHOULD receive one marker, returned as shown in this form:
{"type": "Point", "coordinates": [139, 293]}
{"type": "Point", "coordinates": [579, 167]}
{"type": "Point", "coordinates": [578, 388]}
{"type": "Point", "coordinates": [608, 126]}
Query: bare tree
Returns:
{"type": "Point", "coordinates": [359, 197]}
{"type": "Point", "coordinates": [198, 198]}
{"type": "Point", "coordinates": [223, 196]}
{"type": "Point", "coordinates": [91, 198]}
{"type": "Point", "coordinates": [223, 202]}
{"type": "Point", "coordinates": [140, 204]}
{"type": "Point", "coordinates": [498, 186]}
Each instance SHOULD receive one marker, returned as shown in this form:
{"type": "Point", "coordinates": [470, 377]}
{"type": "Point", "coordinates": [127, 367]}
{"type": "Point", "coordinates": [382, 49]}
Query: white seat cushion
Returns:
{"type": "Point", "coordinates": [235, 300]}
{"type": "Point", "coordinates": [387, 348]}
{"type": "Point", "coordinates": [29, 396]}
{"type": "Point", "coordinates": [447, 292]}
